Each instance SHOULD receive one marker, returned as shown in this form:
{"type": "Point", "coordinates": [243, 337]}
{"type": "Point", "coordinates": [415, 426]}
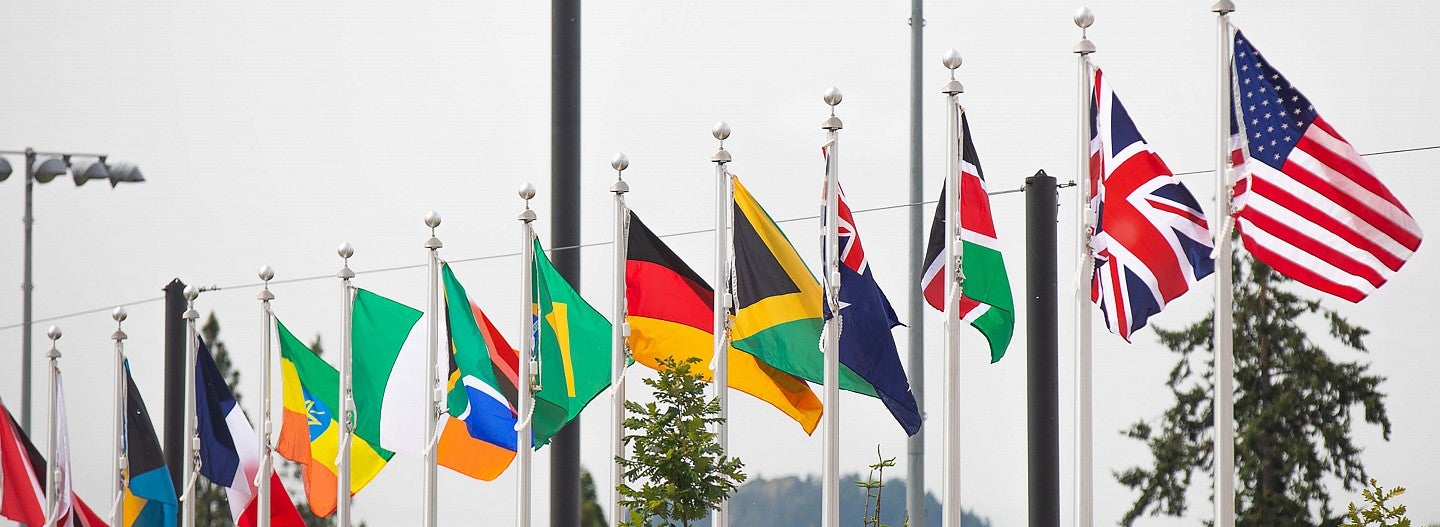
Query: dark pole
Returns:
{"type": "Point", "coordinates": [175, 381]}
{"type": "Point", "coordinates": [27, 289]}
{"type": "Point", "coordinates": [565, 221]}
{"type": "Point", "coordinates": [915, 445]}
{"type": "Point", "coordinates": [1042, 329]}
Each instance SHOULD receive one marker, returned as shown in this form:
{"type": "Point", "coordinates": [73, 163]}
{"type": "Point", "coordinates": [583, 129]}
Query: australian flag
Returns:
{"type": "Point", "coordinates": [866, 345]}
{"type": "Point", "coordinates": [1151, 240]}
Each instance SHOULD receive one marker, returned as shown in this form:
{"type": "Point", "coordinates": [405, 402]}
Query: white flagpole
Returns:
{"type": "Point", "coordinates": [192, 453]}
{"type": "Point", "coordinates": [1224, 295]}
{"type": "Point", "coordinates": [262, 504]}
{"type": "Point", "coordinates": [52, 487]}
{"type": "Point", "coordinates": [432, 373]}
{"type": "Point", "coordinates": [830, 478]}
{"type": "Point", "coordinates": [721, 360]}
{"type": "Point", "coordinates": [955, 274]}
{"type": "Point", "coordinates": [121, 463]}
{"type": "Point", "coordinates": [1084, 451]}
{"type": "Point", "coordinates": [619, 334]}
{"type": "Point", "coordinates": [347, 403]}
{"type": "Point", "coordinates": [527, 362]}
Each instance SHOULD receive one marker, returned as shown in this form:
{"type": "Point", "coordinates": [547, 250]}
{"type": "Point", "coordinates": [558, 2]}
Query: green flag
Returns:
{"type": "Point", "coordinates": [388, 378]}
{"type": "Point", "coordinates": [574, 350]}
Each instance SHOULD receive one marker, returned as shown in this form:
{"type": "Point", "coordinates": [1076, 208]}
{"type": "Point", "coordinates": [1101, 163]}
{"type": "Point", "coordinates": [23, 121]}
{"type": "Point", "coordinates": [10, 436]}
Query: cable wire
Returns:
{"type": "Point", "coordinates": [249, 285]}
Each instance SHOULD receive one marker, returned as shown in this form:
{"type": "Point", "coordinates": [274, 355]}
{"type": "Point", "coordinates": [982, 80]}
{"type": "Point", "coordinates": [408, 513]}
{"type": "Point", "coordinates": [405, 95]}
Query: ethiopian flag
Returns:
{"type": "Point", "coordinates": [574, 349]}
{"type": "Point", "coordinates": [310, 430]}
{"type": "Point", "coordinates": [149, 494]}
{"type": "Point", "coordinates": [671, 314]}
{"type": "Point", "coordinates": [777, 300]}
{"type": "Point", "coordinates": [478, 438]}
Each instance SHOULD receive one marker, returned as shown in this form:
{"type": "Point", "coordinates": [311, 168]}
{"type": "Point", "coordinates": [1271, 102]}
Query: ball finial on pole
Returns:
{"type": "Point", "coordinates": [267, 273]}
{"type": "Point", "coordinates": [432, 220]}
{"type": "Point", "coordinates": [833, 96]}
{"type": "Point", "coordinates": [345, 250]}
{"type": "Point", "coordinates": [952, 61]}
{"type": "Point", "coordinates": [721, 130]}
{"type": "Point", "coordinates": [191, 293]}
{"type": "Point", "coordinates": [119, 314]}
{"type": "Point", "coordinates": [54, 333]}
{"type": "Point", "coordinates": [527, 193]}
{"type": "Point", "coordinates": [620, 162]}
{"type": "Point", "coordinates": [1084, 18]}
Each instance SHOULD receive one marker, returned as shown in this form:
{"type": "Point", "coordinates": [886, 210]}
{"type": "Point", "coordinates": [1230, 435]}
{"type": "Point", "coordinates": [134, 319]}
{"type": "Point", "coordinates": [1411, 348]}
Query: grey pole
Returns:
{"type": "Point", "coordinates": [915, 445]}
{"type": "Point", "coordinates": [830, 484]}
{"type": "Point", "coordinates": [1042, 370]}
{"type": "Point", "coordinates": [619, 334]}
{"type": "Point", "coordinates": [347, 402]}
{"type": "Point", "coordinates": [432, 373]}
{"type": "Point", "coordinates": [1224, 321]}
{"type": "Point", "coordinates": [191, 459]}
{"type": "Point", "coordinates": [52, 482]}
{"type": "Point", "coordinates": [27, 287]}
{"type": "Point", "coordinates": [1084, 405]}
{"type": "Point", "coordinates": [721, 328]}
{"type": "Point", "coordinates": [565, 218]}
{"type": "Point", "coordinates": [526, 396]}
{"type": "Point", "coordinates": [266, 467]}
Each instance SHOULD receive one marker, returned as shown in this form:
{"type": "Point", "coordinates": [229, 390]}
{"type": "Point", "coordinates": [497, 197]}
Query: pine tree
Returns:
{"type": "Point", "coordinates": [1294, 407]}
{"type": "Point", "coordinates": [591, 514]}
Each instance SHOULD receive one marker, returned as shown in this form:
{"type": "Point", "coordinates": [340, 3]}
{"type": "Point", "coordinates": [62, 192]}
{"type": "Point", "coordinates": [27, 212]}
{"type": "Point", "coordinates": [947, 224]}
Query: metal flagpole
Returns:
{"type": "Point", "coordinates": [830, 478]}
{"type": "Point", "coordinates": [915, 445]}
{"type": "Point", "coordinates": [192, 436]}
{"type": "Point", "coordinates": [1224, 295]}
{"type": "Point", "coordinates": [347, 412]}
{"type": "Point", "coordinates": [527, 361]}
{"type": "Point", "coordinates": [432, 373]}
{"type": "Point", "coordinates": [721, 361]}
{"type": "Point", "coordinates": [121, 463]}
{"type": "Point", "coordinates": [52, 487]}
{"type": "Point", "coordinates": [267, 322]}
{"type": "Point", "coordinates": [619, 334]}
{"type": "Point", "coordinates": [1084, 455]}
{"type": "Point", "coordinates": [950, 508]}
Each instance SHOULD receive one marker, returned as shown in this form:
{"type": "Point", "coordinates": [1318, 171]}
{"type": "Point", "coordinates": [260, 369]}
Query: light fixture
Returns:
{"type": "Point", "coordinates": [47, 168]}
{"type": "Point", "coordinates": [124, 172]}
{"type": "Point", "coordinates": [87, 169]}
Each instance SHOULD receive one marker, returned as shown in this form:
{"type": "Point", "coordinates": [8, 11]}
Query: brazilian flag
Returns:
{"type": "Point", "coordinates": [149, 493]}
{"type": "Point", "coordinates": [573, 343]}
{"type": "Point", "coordinates": [778, 314]}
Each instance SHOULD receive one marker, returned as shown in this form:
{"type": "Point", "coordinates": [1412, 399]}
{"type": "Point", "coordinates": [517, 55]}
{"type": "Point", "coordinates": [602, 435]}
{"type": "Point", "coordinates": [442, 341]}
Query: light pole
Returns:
{"type": "Point", "coordinates": [44, 167]}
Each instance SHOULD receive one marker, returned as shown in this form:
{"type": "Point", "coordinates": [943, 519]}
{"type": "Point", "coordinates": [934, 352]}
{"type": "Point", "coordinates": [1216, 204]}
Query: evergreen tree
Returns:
{"type": "Point", "coordinates": [591, 513]}
{"type": "Point", "coordinates": [1294, 407]}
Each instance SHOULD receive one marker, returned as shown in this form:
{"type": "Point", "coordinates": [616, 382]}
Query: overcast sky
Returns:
{"type": "Point", "coordinates": [270, 132]}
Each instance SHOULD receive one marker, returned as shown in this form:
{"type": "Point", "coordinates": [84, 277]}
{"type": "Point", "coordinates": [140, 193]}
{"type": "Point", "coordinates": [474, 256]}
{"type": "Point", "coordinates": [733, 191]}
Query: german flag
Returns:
{"type": "Point", "coordinates": [777, 300]}
{"type": "Point", "coordinates": [670, 310]}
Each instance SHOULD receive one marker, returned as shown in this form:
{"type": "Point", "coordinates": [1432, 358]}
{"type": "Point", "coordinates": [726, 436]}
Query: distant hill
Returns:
{"type": "Point", "coordinates": [794, 502]}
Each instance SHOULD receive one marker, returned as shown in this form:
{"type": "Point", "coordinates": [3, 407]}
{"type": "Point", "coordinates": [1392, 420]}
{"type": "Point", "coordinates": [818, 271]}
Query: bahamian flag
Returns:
{"type": "Point", "coordinates": [310, 430]}
{"type": "Point", "coordinates": [778, 302]}
{"type": "Point", "coordinates": [866, 345]}
{"type": "Point", "coordinates": [149, 499]}
{"type": "Point", "coordinates": [573, 346]}
{"type": "Point", "coordinates": [478, 438]}
{"type": "Point", "coordinates": [671, 314]}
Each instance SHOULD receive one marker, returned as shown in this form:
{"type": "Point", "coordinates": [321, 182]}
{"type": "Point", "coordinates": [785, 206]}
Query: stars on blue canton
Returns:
{"type": "Point", "coordinates": [1274, 114]}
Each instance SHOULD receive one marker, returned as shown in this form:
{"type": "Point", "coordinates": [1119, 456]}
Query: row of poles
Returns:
{"type": "Point", "coordinates": [1044, 499]}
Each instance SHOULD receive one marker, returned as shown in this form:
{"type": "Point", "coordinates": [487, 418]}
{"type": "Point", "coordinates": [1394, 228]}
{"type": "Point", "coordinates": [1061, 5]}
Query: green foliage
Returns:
{"type": "Point", "coordinates": [1294, 407]}
{"type": "Point", "coordinates": [874, 486]}
{"type": "Point", "coordinates": [682, 471]}
{"type": "Point", "coordinates": [1379, 513]}
{"type": "Point", "coordinates": [792, 501]}
{"type": "Point", "coordinates": [591, 513]}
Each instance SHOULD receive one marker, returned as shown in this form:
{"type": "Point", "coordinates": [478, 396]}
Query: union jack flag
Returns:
{"type": "Point", "coordinates": [1151, 240]}
{"type": "Point", "coordinates": [1307, 204]}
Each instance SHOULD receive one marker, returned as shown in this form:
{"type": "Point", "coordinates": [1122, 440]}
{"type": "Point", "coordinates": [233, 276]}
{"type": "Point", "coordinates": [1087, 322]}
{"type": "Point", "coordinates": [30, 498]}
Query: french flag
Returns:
{"type": "Point", "coordinates": [223, 427]}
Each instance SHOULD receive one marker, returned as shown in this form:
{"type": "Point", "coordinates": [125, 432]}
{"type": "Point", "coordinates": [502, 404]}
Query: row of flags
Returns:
{"type": "Point", "coordinates": [1304, 201]}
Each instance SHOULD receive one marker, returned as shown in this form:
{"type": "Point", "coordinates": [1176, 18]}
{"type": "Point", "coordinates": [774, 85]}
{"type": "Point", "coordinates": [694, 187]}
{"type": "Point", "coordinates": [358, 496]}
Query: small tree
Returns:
{"type": "Point", "coordinates": [874, 486]}
{"type": "Point", "coordinates": [683, 472]}
{"type": "Point", "coordinates": [1379, 513]}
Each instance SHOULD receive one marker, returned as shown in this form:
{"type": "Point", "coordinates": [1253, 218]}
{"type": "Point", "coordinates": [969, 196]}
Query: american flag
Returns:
{"type": "Point", "coordinates": [1307, 204]}
{"type": "Point", "coordinates": [1151, 240]}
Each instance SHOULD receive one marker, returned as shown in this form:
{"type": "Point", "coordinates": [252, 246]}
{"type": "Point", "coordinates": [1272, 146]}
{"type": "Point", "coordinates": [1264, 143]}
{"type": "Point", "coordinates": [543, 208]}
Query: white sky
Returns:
{"type": "Point", "coordinates": [270, 132]}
